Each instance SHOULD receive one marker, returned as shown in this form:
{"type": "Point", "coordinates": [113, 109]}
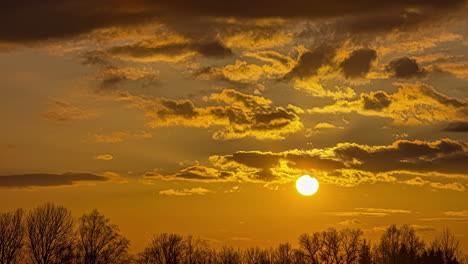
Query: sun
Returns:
{"type": "Point", "coordinates": [307, 185]}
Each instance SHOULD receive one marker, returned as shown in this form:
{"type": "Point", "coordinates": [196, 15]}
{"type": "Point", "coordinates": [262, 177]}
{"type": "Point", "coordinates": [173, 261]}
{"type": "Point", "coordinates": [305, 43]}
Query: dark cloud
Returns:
{"type": "Point", "coordinates": [48, 180]}
{"type": "Point", "coordinates": [405, 68]}
{"type": "Point", "coordinates": [212, 49]}
{"type": "Point", "coordinates": [385, 21]}
{"type": "Point", "coordinates": [442, 98]}
{"type": "Point", "coordinates": [171, 51]}
{"type": "Point", "coordinates": [63, 111]}
{"type": "Point", "coordinates": [239, 115]}
{"type": "Point", "coordinates": [111, 77]}
{"type": "Point", "coordinates": [96, 57]}
{"type": "Point", "coordinates": [457, 127]}
{"type": "Point", "coordinates": [444, 156]}
{"type": "Point", "coordinates": [31, 20]}
{"type": "Point", "coordinates": [358, 63]}
{"type": "Point", "coordinates": [185, 109]}
{"type": "Point", "coordinates": [310, 62]}
{"type": "Point", "coordinates": [194, 173]}
{"type": "Point", "coordinates": [441, 163]}
{"type": "Point", "coordinates": [376, 100]}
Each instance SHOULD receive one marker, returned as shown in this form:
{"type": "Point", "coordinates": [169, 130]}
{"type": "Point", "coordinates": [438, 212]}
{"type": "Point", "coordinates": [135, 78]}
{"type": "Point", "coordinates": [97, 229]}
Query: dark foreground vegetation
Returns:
{"type": "Point", "coordinates": [49, 235]}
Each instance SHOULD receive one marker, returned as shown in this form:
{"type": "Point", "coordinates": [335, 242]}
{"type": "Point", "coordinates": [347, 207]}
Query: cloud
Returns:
{"type": "Point", "coordinates": [382, 210]}
{"type": "Point", "coordinates": [118, 136]}
{"type": "Point", "coordinates": [23, 21]}
{"type": "Point", "coordinates": [104, 157]}
{"type": "Point", "coordinates": [412, 104]}
{"type": "Point", "coordinates": [350, 222]}
{"type": "Point", "coordinates": [147, 51]}
{"type": "Point", "coordinates": [185, 192]}
{"type": "Point", "coordinates": [445, 219]}
{"type": "Point", "coordinates": [458, 69]}
{"type": "Point", "coordinates": [110, 77]}
{"type": "Point", "coordinates": [242, 72]}
{"type": "Point", "coordinates": [36, 180]}
{"type": "Point", "coordinates": [359, 62]}
{"type": "Point", "coordinates": [256, 38]}
{"type": "Point", "coordinates": [372, 212]}
{"type": "Point", "coordinates": [310, 62]}
{"type": "Point", "coordinates": [457, 127]}
{"type": "Point", "coordinates": [375, 101]}
{"type": "Point", "coordinates": [324, 125]}
{"type": "Point", "coordinates": [194, 173]}
{"type": "Point", "coordinates": [438, 164]}
{"type": "Point", "coordinates": [240, 115]}
{"type": "Point", "coordinates": [457, 213]}
{"type": "Point", "coordinates": [420, 228]}
{"type": "Point", "coordinates": [63, 111]}
{"type": "Point", "coordinates": [454, 186]}
{"type": "Point", "coordinates": [405, 68]}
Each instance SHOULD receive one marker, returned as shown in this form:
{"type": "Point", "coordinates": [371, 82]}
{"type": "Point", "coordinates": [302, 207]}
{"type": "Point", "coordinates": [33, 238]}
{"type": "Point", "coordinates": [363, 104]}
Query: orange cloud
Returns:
{"type": "Point", "coordinates": [104, 157]}
{"type": "Point", "coordinates": [63, 111]}
{"type": "Point", "coordinates": [439, 164]}
{"type": "Point", "coordinates": [412, 104]}
{"type": "Point", "coordinates": [185, 192]}
{"type": "Point", "coordinates": [240, 115]}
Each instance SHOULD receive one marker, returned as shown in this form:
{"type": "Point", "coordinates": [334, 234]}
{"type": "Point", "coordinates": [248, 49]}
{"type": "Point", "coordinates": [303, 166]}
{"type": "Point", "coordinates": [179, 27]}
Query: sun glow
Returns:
{"type": "Point", "coordinates": [307, 185]}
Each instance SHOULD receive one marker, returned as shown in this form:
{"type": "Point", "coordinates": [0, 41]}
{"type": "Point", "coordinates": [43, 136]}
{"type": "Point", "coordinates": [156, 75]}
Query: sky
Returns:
{"type": "Point", "coordinates": [197, 117]}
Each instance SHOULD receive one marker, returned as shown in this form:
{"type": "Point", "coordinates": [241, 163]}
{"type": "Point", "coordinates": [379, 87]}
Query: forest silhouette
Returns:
{"type": "Point", "coordinates": [48, 234]}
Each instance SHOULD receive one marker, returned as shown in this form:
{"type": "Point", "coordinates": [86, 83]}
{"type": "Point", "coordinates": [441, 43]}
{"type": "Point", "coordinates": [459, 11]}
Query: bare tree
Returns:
{"type": "Point", "coordinates": [99, 241]}
{"type": "Point", "coordinates": [11, 236]}
{"type": "Point", "coordinates": [49, 234]}
{"type": "Point", "coordinates": [196, 251]}
{"type": "Point", "coordinates": [351, 242]}
{"type": "Point", "coordinates": [448, 245]}
{"type": "Point", "coordinates": [365, 254]}
{"type": "Point", "coordinates": [310, 245]}
{"type": "Point", "coordinates": [331, 250]}
{"type": "Point", "coordinates": [227, 255]}
{"type": "Point", "coordinates": [284, 254]}
{"type": "Point", "coordinates": [164, 249]}
{"type": "Point", "coordinates": [255, 256]}
{"type": "Point", "coordinates": [412, 244]}
{"type": "Point", "coordinates": [389, 247]}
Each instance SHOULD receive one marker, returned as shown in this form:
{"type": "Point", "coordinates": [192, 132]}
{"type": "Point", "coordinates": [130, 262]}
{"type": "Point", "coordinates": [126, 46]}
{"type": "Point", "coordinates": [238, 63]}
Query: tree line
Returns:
{"type": "Point", "coordinates": [48, 234]}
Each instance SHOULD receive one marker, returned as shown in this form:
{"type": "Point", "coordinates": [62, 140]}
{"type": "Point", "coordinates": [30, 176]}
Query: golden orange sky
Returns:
{"type": "Point", "coordinates": [197, 117]}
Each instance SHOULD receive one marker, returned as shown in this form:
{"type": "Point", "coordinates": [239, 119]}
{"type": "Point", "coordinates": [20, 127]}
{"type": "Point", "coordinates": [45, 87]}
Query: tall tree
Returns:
{"type": "Point", "coordinates": [351, 242]}
{"type": "Point", "coordinates": [389, 246]}
{"type": "Point", "coordinates": [164, 249]}
{"type": "Point", "coordinates": [331, 250]}
{"type": "Point", "coordinates": [448, 245]}
{"type": "Point", "coordinates": [365, 254]}
{"type": "Point", "coordinates": [255, 256]}
{"type": "Point", "coordinates": [49, 234]}
{"type": "Point", "coordinates": [99, 241]}
{"type": "Point", "coordinates": [11, 236]}
{"type": "Point", "coordinates": [310, 245]}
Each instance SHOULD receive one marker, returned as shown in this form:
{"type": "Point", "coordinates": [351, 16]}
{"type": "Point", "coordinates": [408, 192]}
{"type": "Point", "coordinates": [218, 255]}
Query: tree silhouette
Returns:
{"type": "Point", "coordinates": [448, 245]}
{"type": "Point", "coordinates": [11, 236]}
{"type": "Point", "coordinates": [256, 256]}
{"type": "Point", "coordinates": [228, 255]}
{"type": "Point", "coordinates": [310, 245]}
{"type": "Point", "coordinates": [365, 254]}
{"type": "Point", "coordinates": [45, 236]}
{"type": "Point", "coordinates": [164, 249]}
{"type": "Point", "coordinates": [49, 235]}
{"type": "Point", "coordinates": [100, 242]}
{"type": "Point", "coordinates": [196, 251]}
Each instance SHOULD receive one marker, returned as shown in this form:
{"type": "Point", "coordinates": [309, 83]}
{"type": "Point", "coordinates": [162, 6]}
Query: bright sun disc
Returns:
{"type": "Point", "coordinates": [307, 185]}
